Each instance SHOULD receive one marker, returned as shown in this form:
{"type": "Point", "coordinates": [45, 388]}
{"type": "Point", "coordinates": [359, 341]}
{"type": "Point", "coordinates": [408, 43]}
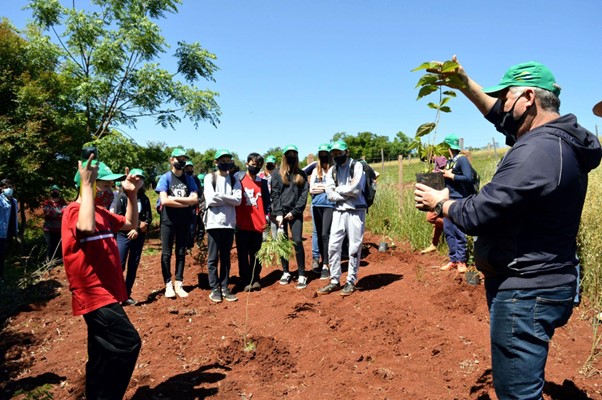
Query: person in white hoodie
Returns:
{"type": "Point", "coordinates": [222, 194]}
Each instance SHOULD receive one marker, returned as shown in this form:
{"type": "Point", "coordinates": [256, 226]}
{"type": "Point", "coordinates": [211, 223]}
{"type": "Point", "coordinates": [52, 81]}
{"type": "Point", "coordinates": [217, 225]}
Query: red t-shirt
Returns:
{"type": "Point", "coordinates": [250, 214]}
{"type": "Point", "coordinates": [92, 261]}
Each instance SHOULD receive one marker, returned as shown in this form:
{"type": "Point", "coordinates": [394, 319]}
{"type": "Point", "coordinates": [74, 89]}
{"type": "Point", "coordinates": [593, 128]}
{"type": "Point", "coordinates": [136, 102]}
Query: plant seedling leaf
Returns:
{"type": "Point", "coordinates": [449, 66]}
{"type": "Point", "coordinates": [427, 79]}
{"type": "Point", "coordinates": [433, 106]}
{"type": "Point", "coordinates": [450, 93]}
{"type": "Point", "coordinates": [445, 109]}
{"type": "Point", "coordinates": [425, 129]}
{"type": "Point", "coordinates": [424, 65]}
{"type": "Point", "coordinates": [426, 90]}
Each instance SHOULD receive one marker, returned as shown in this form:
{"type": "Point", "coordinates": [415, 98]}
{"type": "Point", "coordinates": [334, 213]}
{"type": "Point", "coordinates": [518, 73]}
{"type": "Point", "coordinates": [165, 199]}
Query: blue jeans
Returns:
{"type": "Point", "coordinates": [315, 239]}
{"type": "Point", "coordinates": [522, 322]}
{"type": "Point", "coordinates": [456, 241]}
{"type": "Point", "coordinates": [130, 252]}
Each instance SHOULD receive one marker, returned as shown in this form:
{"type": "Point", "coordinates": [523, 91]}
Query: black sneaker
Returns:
{"type": "Point", "coordinates": [228, 296]}
{"type": "Point", "coordinates": [256, 286]}
{"type": "Point", "coordinates": [325, 274]}
{"type": "Point", "coordinates": [129, 302]}
{"type": "Point", "coordinates": [215, 296]}
{"type": "Point", "coordinates": [331, 287]}
{"type": "Point", "coordinates": [348, 289]}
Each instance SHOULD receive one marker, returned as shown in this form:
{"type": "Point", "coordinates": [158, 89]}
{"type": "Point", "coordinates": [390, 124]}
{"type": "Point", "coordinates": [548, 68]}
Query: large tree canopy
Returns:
{"type": "Point", "coordinates": [110, 54]}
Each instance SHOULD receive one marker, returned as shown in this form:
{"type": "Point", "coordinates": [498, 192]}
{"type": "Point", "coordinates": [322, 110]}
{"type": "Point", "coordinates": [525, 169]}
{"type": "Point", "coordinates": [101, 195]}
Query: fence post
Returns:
{"type": "Point", "coordinates": [400, 179]}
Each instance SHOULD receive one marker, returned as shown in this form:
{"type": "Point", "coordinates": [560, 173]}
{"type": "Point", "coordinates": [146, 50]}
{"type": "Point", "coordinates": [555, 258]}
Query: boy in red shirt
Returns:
{"type": "Point", "coordinates": [93, 268]}
{"type": "Point", "coordinates": [251, 222]}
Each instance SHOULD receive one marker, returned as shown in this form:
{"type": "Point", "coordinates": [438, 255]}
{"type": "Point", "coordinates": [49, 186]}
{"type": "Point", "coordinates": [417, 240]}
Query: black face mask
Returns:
{"type": "Point", "coordinates": [225, 166]}
{"type": "Point", "coordinates": [508, 125]}
{"type": "Point", "coordinates": [179, 165]}
{"type": "Point", "coordinates": [189, 172]}
{"type": "Point", "coordinates": [324, 159]}
{"type": "Point", "coordinates": [253, 170]}
{"type": "Point", "coordinates": [54, 195]}
{"type": "Point", "coordinates": [340, 160]}
{"type": "Point", "coordinates": [270, 166]}
{"type": "Point", "coordinates": [291, 160]}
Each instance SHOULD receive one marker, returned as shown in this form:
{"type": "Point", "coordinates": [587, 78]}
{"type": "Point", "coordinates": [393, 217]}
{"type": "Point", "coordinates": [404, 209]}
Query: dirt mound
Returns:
{"type": "Point", "coordinates": [411, 331]}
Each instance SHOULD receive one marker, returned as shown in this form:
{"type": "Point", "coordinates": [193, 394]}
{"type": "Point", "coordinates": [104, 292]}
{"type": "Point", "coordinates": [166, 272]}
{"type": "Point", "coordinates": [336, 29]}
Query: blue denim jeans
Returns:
{"type": "Point", "coordinates": [456, 241]}
{"type": "Point", "coordinates": [522, 322]}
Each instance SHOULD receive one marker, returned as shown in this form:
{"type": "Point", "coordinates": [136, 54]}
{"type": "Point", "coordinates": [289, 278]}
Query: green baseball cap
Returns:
{"type": "Point", "coordinates": [55, 187]}
{"type": "Point", "coordinates": [339, 145]}
{"type": "Point", "coordinates": [201, 177]}
{"type": "Point", "coordinates": [104, 174]}
{"type": "Point", "coordinates": [452, 141]}
{"type": "Point", "coordinates": [290, 147]}
{"type": "Point", "coordinates": [179, 152]}
{"type": "Point", "coordinates": [189, 163]}
{"type": "Point", "coordinates": [270, 159]}
{"type": "Point", "coordinates": [324, 147]}
{"type": "Point", "coordinates": [531, 74]}
{"type": "Point", "coordinates": [221, 153]}
{"type": "Point", "coordinates": [138, 172]}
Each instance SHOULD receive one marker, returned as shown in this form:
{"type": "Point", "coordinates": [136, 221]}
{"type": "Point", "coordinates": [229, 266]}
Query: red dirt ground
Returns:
{"type": "Point", "coordinates": [410, 332]}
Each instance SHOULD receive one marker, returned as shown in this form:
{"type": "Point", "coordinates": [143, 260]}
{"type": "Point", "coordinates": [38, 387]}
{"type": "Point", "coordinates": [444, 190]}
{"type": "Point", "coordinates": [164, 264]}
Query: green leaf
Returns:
{"type": "Point", "coordinates": [425, 129]}
{"type": "Point", "coordinates": [449, 66]}
{"type": "Point", "coordinates": [426, 90]}
{"type": "Point", "coordinates": [433, 106]}
{"type": "Point", "coordinates": [427, 79]}
{"type": "Point", "coordinates": [424, 65]}
{"type": "Point", "coordinates": [445, 109]}
{"type": "Point", "coordinates": [450, 93]}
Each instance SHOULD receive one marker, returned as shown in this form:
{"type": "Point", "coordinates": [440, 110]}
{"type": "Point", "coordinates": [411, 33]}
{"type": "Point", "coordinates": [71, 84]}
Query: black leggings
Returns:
{"type": "Point", "coordinates": [168, 234]}
{"type": "Point", "coordinates": [323, 221]}
{"type": "Point", "coordinates": [296, 227]}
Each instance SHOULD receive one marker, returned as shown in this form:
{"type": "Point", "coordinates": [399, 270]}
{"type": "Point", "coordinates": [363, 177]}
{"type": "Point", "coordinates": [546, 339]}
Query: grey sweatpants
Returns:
{"type": "Point", "coordinates": [348, 223]}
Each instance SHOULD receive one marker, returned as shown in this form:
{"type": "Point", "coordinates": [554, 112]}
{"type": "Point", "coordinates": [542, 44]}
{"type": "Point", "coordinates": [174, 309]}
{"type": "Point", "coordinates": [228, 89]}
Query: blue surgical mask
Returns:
{"type": "Point", "coordinates": [8, 192]}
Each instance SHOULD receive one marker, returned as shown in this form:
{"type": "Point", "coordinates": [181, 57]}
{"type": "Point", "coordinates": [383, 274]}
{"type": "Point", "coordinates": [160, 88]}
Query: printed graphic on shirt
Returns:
{"type": "Point", "coordinates": [251, 197]}
{"type": "Point", "coordinates": [178, 188]}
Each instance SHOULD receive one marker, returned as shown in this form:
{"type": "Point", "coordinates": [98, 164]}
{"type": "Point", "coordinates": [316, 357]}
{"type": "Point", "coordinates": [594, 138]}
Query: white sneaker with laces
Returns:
{"type": "Point", "coordinates": [180, 289]}
{"type": "Point", "coordinates": [302, 282]}
{"type": "Point", "coordinates": [286, 278]}
{"type": "Point", "coordinates": [169, 292]}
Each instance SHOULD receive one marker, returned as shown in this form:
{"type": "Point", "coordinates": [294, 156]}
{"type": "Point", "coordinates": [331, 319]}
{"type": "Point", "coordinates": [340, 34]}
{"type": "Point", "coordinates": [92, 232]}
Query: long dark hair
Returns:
{"type": "Point", "coordinates": [287, 170]}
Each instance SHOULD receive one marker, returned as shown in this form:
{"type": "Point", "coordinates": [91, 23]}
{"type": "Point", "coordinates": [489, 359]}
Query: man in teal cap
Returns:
{"type": "Point", "coordinates": [526, 219]}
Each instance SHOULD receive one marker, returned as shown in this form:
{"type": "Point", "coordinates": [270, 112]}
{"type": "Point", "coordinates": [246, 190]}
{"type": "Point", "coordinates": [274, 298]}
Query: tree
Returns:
{"type": "Point", "coordinates": [400, 146]}
{"type": "Point", "coordinates": [109, 56]}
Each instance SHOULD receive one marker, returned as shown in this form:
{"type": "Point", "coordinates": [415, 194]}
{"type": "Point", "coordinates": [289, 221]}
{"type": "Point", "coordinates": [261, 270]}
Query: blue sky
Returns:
{"type": "Point", "coordinates": [300, 71]}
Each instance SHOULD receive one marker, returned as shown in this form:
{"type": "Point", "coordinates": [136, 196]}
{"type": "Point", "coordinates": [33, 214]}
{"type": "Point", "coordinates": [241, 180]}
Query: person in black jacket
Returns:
{"type": "Point", "coordinates": [130, 243]}
{"type": "Point", "coordinates": [290, 188]}
{"type": "Point", "coordinates": [526, 220]}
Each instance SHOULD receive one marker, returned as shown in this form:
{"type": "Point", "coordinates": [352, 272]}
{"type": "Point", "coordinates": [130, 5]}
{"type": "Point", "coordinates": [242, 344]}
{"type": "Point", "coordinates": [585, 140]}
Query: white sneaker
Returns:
{"type": "Point", "coordinates": [169, 292]}
{"type": "Point", "coordinates": [180, 289]}
{"type": "Point", "coordinates": [302, 282]}
{"type": "Point", "coordinates": [286, 278]}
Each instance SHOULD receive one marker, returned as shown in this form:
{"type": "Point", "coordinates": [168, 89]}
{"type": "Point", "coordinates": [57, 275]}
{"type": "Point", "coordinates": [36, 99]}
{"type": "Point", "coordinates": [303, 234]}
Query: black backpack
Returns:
{"type": "Point", "coordinates": [370, 183]}
{"type": "Point", "coordinates": [475, 178]}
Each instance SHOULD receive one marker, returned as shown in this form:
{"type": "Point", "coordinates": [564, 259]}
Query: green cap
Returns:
{"type": "Point", "coordinates": [290, 147]}
{"type": "Point", "coordinates": [452, 141]}
{"type": "Point", "coordinates": [138, 172]}
{"type": "Point", "coordinates": [189, 163]}
{"type": "Point", "coordinates": [531, 74]}
{"type": "Point", "coordinates": [179, 152]}
{"type": "Point", "coordinates": [324, 147]}
{"type": "Point", "coordinates": [221, 153]}
{"type": "Point", "coordinates": [55, 187]}
{"type": "Point", "coordinates": [104, 174]}
{"type": "Point", "coordinates": [338, 145]}
{"type": "Point", "coordinates": [201, 177]}
{"type": "Point", "coordinates": [270, 159]}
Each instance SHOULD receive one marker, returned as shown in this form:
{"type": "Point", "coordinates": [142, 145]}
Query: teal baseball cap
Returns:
{"type": "Point", "coordinates": [270, 159]}
{"type": "Point", "coordinates": [221, 153]}
{"type": "Point", "coordinates": [104, 174]}
{"type": "Point", "coordinates": [530, 74]}
{"type": "Point", "coordinates": [189, 163]}
{"type": "Point", "coordinates": [324, 147]}
{"type": "Point", "coordinates": [452, 141]}
{"type": "Point", "coordinates": [339, 145]}
{"type": "Point", "coordinates": [179, 152]}
{"type": "Point", "coordinates": [55, 187]}
{"type": "Point", "coordinates": [290, 147]}
{"type": "Point", "coordinates": [138, 172]}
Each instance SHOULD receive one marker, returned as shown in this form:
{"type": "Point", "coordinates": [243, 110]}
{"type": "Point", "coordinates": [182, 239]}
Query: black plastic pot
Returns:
{"type": "Point", "coordinates": [431, 179]}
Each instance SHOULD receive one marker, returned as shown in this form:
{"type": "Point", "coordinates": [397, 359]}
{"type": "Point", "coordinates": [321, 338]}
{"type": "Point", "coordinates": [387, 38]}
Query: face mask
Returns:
{"type": "Point", "coordinates": [54, 195]}
{"type": "Point", "coordinates": [270, 166]}
{"type": "Point", "coordinates": [324, 159]}
{"type": "Point", "coordinates": [253, 170]}
{"type": "Point", "coordinates": [104, 199]}
{"type": "Point", "coordinates": [225, 166]}
{"type": "Point", "coordinates": [291, 160]}
{"type": "Point", "coordinates": [340, 160]}
{"type": "Point", "coordinates": [189, 172]}
{"type": "Point", "coordinates": [179, 165]}
{"type": "Point", "coordinates": [509, 125]}
{"type": "Point", "coordinates": [8, 192]}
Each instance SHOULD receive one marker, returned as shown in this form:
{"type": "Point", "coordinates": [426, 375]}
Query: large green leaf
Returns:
{"type": "Point", "coordinates": [427, 79]}
{"type": "Point", "coordinates": [425, 129]}
{"type": "Point", "coordinates": [449, 66]}
{"type": "Point", "coordinates": [425, 65]}
{"type": "Point", "coordinates": [426, 90]}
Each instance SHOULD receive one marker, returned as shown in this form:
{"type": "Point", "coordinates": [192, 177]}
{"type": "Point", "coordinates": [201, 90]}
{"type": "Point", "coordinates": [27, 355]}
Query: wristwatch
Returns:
{"type": "Point", "coordinates": [439, 208]}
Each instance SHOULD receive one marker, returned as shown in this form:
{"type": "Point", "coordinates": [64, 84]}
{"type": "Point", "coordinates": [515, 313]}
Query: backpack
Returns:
{"type": "Point", "coordinates": [475, 178]}
{"type": "Point", "coordinates": [369, 190]}
{"type": "Point", "coordinates": [158, 205]}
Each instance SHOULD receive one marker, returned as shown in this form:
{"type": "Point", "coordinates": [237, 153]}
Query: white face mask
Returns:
{"type": "Point", "coordinates": [8, 192]}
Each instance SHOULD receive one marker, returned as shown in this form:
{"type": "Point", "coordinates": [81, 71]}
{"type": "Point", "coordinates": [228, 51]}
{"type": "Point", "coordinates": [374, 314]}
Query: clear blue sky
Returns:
{"type": "Point", "coordinates": [300, 71]}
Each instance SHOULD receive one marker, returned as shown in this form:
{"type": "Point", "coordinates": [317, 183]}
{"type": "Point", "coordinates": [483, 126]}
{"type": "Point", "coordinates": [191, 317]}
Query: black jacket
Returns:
{"type": "Point", "coordinates": [289, 198]}
{"type": "Point", "coordinates": [145, 214]}
{"type": "Point", "coordinates": [527, 217]}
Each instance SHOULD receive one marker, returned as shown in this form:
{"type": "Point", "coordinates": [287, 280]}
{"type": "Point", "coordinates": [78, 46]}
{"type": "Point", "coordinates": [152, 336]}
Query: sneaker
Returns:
{"type": "Point", "coordinates": [256, 286]}
{"type": "Point", "coordinates": [286, 278]}
{"type": "Point", "coordinates": [347, 289]}
{"type": "Point", "coordinates": [462, 267]}
{"type": "Point", "coordinates": [302, 282]}
{"type": "Point", "coordinates": [169, 292]}
{"type": "Point", "coordinates": [247, 288]}
{"type": "Point", "coordinates": [129, 302]}
{"type": "Point", "coordinates": [215, 296]}
{"type": "Point", "coordinates": [228, 296]}
{"type": "Point", "coordinates": [331, 287]}
{"type": "Point", "coordinates": [325, 274]}
{"type": "Point", "coordinates": [315, 264]}
{"type": "Point", "coordinates": [429, 249]}
{"type": "Point", "coordinates": [448, 266]}
{"type": "Point", "coordinates": [180, 289]}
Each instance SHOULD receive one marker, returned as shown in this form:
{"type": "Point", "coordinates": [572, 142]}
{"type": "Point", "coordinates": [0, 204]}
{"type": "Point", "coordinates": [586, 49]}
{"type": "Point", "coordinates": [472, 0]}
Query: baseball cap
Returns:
{"type": "Point", "coordinates": [179, 152]}
{"type": "Point", "coordinates": [290, 147]}
{"type": "Point", "coordinates": [338, 145]}
{"type": "Point", "coordinates": [189, 163]}
{"type": "Point", "coordinates": [138, 172]}
{"type": "Point", "coordinates": [531, 74]}
{"type": "Point", "coordinates": [55, 187]}
{"type": "Point", "coordinates": [221, 153]}
{"type": "Point", "coordinates": [452, 141]}
{"type": "Point", "coordinates": [104, 174]}
{"type": "Point", "coordinates": [324, 147]}
{"type": "Point", "coordinates": [270, 159]}
{"type": "Point", "coordinates": [598, 109]}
